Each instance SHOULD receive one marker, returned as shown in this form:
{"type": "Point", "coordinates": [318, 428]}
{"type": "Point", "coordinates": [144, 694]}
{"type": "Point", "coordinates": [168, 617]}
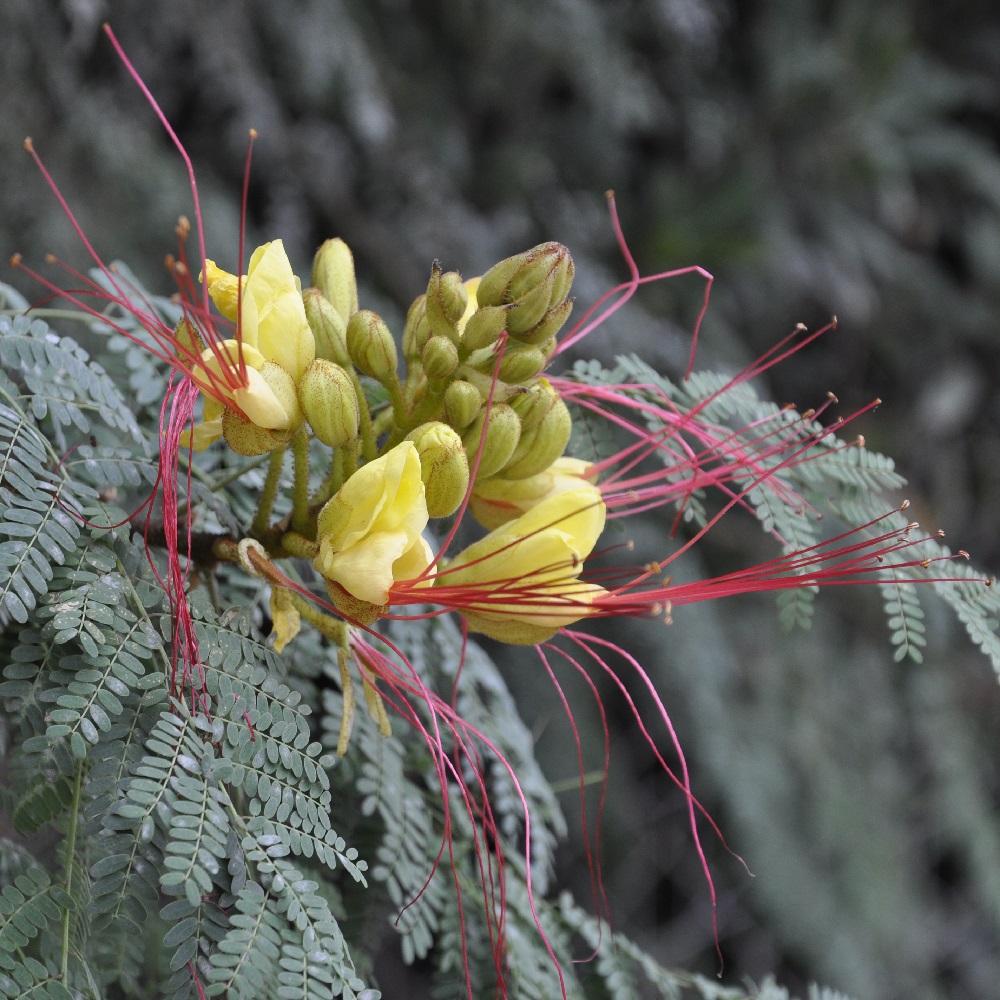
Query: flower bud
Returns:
{"type": "Point", "coordinates": [545, 429]}
{"type": "Point", "coordinates": [446, 302]}
{"type": "Point", "coordinates": [484, 326]}
{"type": "Point", "coordinates": [521, 363]}
{"type": "Point", "coordinates": [503, 431]}
{"type": "Point", "coordinates": [371, 346]}
{"type": "Point", "coordinates": [439, 357]}
{"type": "Point", "coordinates": [462, 402]}
{"type": "Point", "coordinates": [328, 326]}
{"type": "Point", "coordinates": [329, 402]}
{"type": "Point", "coordinates": [417, 330]}
{"type": "Point", "coordinates": [547, 327]}
{"type": "Point", "coordinates": [333, 275]}
{"type": "Point", "coordinates": [444, 467]}
{"type": "Point", "coordinates": [532, 282]}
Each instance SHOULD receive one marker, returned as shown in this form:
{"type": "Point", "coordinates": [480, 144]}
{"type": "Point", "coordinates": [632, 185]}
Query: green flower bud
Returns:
{"type": "Point", "coordinates": [328, 326]}
{"type": "Point", "coordinates": [371, 346]}
{"type": "Point", "coordinates": [444, 467]}
{"type": "Point", "coordinates": [417, 330]}
{"type": "Point", "coordinates": [532, 282]}
{"type": "Point", "coordinates": [521, 363]}
{"type": "Point", "coordinates": [548, 326]}
{"type": "Point", "coordinates": [462, 403]}
{"type": "Point", "coordinates": [535, 284]}
{"type": "Point", "coordinates": [439, 357]}
{"type": "Point", "coordinates": [545, 429]}
{"type": "Point", "coordinates": [446, 301]}
{"type": "Point", "coordinates": [484, 327]}
{"type": "Point", "coordinates": [330, 402]}
{"type": "Point", "coordinates": [503, 431]}
{"type": "Point", "coordinates": [333, 275]}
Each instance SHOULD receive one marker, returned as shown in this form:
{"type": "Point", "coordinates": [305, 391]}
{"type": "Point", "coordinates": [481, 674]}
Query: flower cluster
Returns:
{"type": "Point", "coordinates": [458, 420]}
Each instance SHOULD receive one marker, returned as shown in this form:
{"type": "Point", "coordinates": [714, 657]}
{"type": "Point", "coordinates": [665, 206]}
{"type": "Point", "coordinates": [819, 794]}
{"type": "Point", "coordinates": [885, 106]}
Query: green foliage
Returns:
{"type": "Point", "coordinates": [212, 841]}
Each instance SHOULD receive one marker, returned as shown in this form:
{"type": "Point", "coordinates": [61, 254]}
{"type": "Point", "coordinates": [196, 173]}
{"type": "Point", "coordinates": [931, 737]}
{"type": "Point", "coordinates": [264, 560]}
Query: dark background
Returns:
{"type": "Point", "coordinates": [818, 158]}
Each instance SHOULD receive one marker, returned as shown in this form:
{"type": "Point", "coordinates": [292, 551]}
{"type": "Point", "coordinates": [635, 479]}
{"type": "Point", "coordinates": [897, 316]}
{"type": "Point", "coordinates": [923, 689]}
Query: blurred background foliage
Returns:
{"type": "Point", "coordinates": [817, 157]}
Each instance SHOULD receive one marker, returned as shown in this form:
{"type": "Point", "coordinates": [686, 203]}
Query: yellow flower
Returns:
{"type": "Point", "coordinates": [520, 584]}
{"type": "Point", "coordinates": [497, 501]}
{"type": "Point", "coordinates": [273, 316]}
{"type": "Point", "coordinates": [272, 327]}
{"type": "Point", "coordinates": [369, 534]}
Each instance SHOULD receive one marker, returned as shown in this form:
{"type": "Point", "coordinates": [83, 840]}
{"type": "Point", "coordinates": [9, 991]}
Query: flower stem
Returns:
{"type": "Point", "coordinates": [365, 422]}
{"type": "Point", "coordinates": [300, 487]}
{"type": "Point", "coordinates": [333, 628]}
{"type": "Point", "coordinates": [265, 505]}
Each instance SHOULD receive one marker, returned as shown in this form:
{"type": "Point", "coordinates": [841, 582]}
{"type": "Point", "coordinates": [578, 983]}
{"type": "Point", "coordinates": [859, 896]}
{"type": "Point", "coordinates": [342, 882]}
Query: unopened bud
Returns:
{"type": "Point", "coordinates": [521, 363]}
{"type": "Point", "coordinates": [371, 346]}
{"type": "Point", "coordinates": [503, 431]}
{"type": "Point", "coordinates": [548, 326]}
{"type": "Point", "coordinates": [545, 430]}
{"type": "Point", "coordinates": [329, 402]}
{"type": "Point", "coordinates": [333, 275]}
{"type": "Point", "coordinates": [462, 403]}
{"type": "Point", "coordinates": [484, 327]}
{"type": "Point", "coordinates": [328, 326]}
{"type": "Point", "coordinates": [446, 302]}
{"type": "Point", "coordinates": [417, 330]}
{"type": "Point", "coordinates": [532, 282]}
{"type": "Point", "coordinates": [549, 347]}
{"type": "Point", "coordinates": [439, 357]}
{"type": "Point", "coordinates": [444, 467]}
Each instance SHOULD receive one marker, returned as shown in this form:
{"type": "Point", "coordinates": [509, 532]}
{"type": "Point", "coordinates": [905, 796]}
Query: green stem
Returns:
{"type": "Point", "coordinates": [235, 474]}
{"type": "Point", "coordinates": [300, 486]}
{"type": "Point", "coordinates": [70, 851]}
{"type": "Point", "coordinates": [331, 484]}
{"type": "Point", "coordinates": [365, 424]}
{"type": "Point", "coordinates": [262, 519]}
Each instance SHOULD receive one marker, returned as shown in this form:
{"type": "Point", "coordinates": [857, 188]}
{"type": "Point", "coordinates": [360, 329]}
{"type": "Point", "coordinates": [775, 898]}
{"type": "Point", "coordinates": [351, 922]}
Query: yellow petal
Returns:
{"type": "Point", "coordinates": [202, 435]}
{"type": "Point", "coordinates": [284, 334]}
{"type": "Point", "coordinates": [222, 286]}
{"type": "Point", "coordinates": [383, 495]}
{"type": "Point", "coordinates": [262, 405]}
{"type": "Point", "coordinates": [536, 558]}
{"type": "Point", "coordinates": [281, 330]}
{"type": "Point", "coordinates": [366, 568]}
{"type": "Point", "coordinates": [287, 622]}
{"type": "Point", "coordinates": [370, 532]}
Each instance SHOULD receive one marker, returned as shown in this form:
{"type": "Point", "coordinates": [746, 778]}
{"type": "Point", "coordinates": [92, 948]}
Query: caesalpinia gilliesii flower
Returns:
{"type": "Point", "coordinates": [523, 579]}
{"type": "Point", "coordinates": [499, 500]}
{"type": "Point", "coordinates": [273, 347]}
{"type": "Point", "coordinates": [370, 533]}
